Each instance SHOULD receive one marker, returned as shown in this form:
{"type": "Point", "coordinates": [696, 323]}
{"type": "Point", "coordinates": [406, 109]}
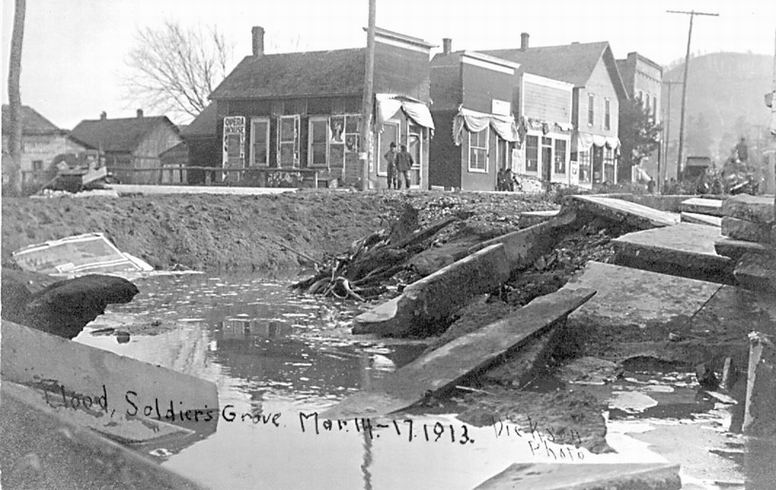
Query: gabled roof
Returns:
{"type": "Point", "coordinates": [572, 63]}
{"type": "Point", "coordinates": [202, 125]}
{"type": "Point", "coordinates": [313, 73]}
{"type": "Point", "coordinates": [32, 122]}
{"type": "Point", "coordinates": [120, 135]}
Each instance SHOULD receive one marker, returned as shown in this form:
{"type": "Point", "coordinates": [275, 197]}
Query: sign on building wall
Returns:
{"type": "Point", "coordinates": [500, 107]}
{"type": "Point", "coordinates": [234, 142]}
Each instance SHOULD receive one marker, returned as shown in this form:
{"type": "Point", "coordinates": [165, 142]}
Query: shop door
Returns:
{"type": "Point", "coordinates": [546, 158]}
{"type": "Point", "coordinates": [415, 147]}
{"type": "Point", "coordinates": [598, 164]}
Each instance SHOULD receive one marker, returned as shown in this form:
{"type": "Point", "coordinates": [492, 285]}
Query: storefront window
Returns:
{"type": "Point", "coordinates": [560, 156]}
{"type": "Point", "coordinates": [531, 153]}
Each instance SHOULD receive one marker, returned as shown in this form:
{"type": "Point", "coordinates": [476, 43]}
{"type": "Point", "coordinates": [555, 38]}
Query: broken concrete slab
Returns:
{"type": "Point", "coordinates": [436, 296]}
{"type": "Point", "coordinates": [701, 219]}
{"type": "Point", "coordinates": [450, 364]}
{"type": "Point", "coordinates": [760, 387]}
{"type": "Point", "coordinates": [530, 218]}
{"type": "Point", "coordinates": [757, 271]}
{"type": "Point", "coordinates": [624, 476]}
{"type": "Point", "coordinates": [685, 250]}
{"type": "Point", "coordinates": [30, 356]}
{"type": "Point", "coordinates": [712, 207]}
{"type": "Point", "coordinates": [44, 450]}
{"type": "Point", "coordinates": [636, 297]}
{"type": "Point", "coordinates": [524, 246]}
{"type": "Point", "coordinates": [749, 231]}
{"type": "Point", "coordinates": [633, 214]}
{"type": "Point", "coordinates": [735, 249]}
{"type": "Point", "coordinates": [759, 209]}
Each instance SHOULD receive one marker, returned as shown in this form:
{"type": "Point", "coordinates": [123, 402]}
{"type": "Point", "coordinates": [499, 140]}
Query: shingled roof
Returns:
{"type": "Point", "coordinates": [32, 122]}
{"type": "Point", "coordinates": [314, 73]}
{"type": "Point", "coordinates": [202, 125]}
{"type": "Point", "coordinates": [119, 135]}
{"type": "Point", "coordinates": [572, 63]}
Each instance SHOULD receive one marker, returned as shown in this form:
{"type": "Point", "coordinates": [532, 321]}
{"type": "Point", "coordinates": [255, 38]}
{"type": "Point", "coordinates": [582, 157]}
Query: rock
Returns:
{"type": "Point", "coordinates": [62, 308]}
{"type": "Point", "coordinates": [749, 231]}
{"type": "Point", "coordinates": [750, 208]}
{"type": "Point", "coordinates": [706, 377]}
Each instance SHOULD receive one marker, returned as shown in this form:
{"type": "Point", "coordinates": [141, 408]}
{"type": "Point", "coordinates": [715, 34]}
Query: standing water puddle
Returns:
{"type": "Point", "coordinates": [271, 351]}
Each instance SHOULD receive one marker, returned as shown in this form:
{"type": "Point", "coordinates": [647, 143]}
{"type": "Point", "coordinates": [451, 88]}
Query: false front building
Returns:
{"type": "Point", "coordinates": [292, 115]}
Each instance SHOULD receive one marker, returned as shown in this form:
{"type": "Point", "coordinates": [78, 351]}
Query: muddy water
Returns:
{"type": "Point", "coordinates": [273, 352]}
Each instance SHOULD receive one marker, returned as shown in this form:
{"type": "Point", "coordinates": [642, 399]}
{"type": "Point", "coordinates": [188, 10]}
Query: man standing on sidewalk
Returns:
{"type": "Point", "coordinates": [404, 163]}
{"type": "Point", "coordinates": [390, 160]}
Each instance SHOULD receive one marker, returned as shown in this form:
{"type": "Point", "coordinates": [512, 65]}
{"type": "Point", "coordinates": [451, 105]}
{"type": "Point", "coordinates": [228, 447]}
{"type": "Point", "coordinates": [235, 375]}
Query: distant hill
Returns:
{"type": "Point", "coordinates": [724, 102]}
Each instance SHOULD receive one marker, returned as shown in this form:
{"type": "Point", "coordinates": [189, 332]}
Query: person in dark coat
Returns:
{"type": "Point", "coordinates": [404, 163]}
{"type": "Point", "coordinates": [390, 160]}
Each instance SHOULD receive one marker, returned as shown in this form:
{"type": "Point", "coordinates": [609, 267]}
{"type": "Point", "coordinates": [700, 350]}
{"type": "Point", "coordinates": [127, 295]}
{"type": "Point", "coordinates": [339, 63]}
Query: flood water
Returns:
{"type": "Point", "coordinates": [271, 351]}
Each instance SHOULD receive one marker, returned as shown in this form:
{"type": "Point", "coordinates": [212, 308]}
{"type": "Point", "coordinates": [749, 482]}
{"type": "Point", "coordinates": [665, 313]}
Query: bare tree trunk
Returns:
{"type": "Point", "coordinates": [15, 99]}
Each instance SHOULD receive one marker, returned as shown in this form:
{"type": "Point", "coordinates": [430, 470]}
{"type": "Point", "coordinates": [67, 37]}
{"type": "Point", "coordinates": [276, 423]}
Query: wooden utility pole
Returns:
{"type": "Point", "coordinates": [15, 99]}
{"type": "Point", "coordinates": [692, 14]}
{"type": "Point", "coordinates": [367, 101]}
{"type": "Point", "coordinates": [667, 136]}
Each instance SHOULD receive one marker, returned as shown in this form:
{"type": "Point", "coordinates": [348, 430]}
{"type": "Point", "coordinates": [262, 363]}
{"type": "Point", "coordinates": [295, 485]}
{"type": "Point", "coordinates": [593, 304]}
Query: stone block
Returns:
{"type": "Point", "coordinates": [757, 271]}
{"type": "Point", "coordinates": [759, 209]}
{"type": "Point", "coordinates": [711, 207]}
{"type": "Point", "coordinates": [748, 231]}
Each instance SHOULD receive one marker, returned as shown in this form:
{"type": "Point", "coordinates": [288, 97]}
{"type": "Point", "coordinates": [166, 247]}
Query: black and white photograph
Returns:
{"type": "Point", "coordinates": [361, 244]}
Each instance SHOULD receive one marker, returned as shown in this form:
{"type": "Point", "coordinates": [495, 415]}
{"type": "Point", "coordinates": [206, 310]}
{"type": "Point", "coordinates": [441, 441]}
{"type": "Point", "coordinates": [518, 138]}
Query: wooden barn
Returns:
{"type": "Point", "coordinates": [472, 110]}
{"type": "Point", "coordinates": [288, 116]}
{"type": "Point", "coordinates": [132, 146]}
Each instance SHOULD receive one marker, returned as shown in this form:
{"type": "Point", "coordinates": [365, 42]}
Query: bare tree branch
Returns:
{"type": "Point", "coordinates": [173, 69]}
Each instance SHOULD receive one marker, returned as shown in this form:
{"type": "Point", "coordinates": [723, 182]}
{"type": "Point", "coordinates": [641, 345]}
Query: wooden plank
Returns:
{"type": "Point", "coordinates": [30, 357]}
{"type": "Point", "coordinates": [451, 363]}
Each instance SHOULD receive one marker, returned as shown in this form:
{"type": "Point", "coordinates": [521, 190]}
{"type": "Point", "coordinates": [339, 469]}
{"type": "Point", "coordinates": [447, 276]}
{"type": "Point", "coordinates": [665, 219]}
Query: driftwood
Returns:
{"type": "Point", "coordinates": [373, 259]}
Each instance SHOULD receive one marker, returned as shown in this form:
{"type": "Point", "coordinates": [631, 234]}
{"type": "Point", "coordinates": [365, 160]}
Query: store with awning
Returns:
{"type": "Point", "coordinates": [596, 156]}
{"type": "Point", "coordinates": [388, 107]}
{"type": "Point", "coordinates": [474, 122]}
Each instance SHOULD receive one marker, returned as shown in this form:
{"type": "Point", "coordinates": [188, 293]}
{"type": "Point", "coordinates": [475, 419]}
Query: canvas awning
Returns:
{"type": "Point", "coordinates": [475, 122]}
{"type": "Point", "coordinates": [583, 141]}
{"type": "Point", "coordinates": [388, 105]}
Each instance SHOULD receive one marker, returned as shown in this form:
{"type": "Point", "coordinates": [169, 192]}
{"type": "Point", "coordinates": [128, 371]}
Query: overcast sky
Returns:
{"type": "Point", "coordinates": [75, 51]}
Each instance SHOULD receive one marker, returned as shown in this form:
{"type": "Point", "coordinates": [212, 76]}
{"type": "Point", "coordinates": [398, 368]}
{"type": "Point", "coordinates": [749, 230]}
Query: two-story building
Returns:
{"type": "Point", "coordinates": [472, 111]}
{"type": "Point", "coordinates": [292, 111]}
{"type": "Point", "coordinates": [41, 142]}
{"type": "Point", "coordinates": [643, 80]}
{"type": "Point", "coordinates": [591, 70]}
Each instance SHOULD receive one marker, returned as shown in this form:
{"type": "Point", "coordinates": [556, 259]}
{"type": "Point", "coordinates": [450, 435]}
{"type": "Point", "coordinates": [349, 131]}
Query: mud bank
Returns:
{"type": "Point", "coordinates": [213, 232]}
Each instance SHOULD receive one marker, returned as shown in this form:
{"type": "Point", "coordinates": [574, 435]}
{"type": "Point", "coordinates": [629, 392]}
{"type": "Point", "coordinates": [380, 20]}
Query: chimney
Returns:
{"type": "Point", "coordinates": [447, 45]}
{"type": "Point", "coordinates": [140, 113]}
{"type": "Point", "coordinates": [257, 36]}
{"type": "Point", "coordinates": [103, 115]}
{"type": "Point", "coordinates": [523, 41]}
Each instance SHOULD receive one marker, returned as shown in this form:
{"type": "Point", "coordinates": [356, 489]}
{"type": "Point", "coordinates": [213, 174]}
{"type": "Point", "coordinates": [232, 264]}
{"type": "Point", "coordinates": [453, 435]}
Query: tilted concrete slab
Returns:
{"type": "Point", "coordinates": [760, 387]}
{"type": "Point", "coordinates": [547, 476]}
{"type": "Point", "coordinates": [636, 297]}
{"type": "Point", "coordinates": [759, 209]}
{"type": "Point", "coordinates": [700, 205]}
{"type": "Point", "coordinates": [445, 367]}
{"type": "Point", "coordinates": [45, 450]}
{"type": "Point", "coordinates": [685, 250]}
{"type": "Point", "coordinates": [524, 246]}
{"type": "Point", "coordinates": [30, 356]}
{"type": "Point", "coordinates": [530, 218]}
{"type": "Point", "coordinates": [437, 295]}
{"type": "Point", "coordinates": [735, 249]}
{"type": "Point", "coordinates": [634, 214]}
{"type": "Point", "coordinates": [701, 219]}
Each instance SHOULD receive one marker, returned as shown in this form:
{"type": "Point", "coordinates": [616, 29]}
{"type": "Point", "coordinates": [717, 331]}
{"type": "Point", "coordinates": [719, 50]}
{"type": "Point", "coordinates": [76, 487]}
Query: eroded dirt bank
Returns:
{"type": "Point", "coordinates": [212, 232]}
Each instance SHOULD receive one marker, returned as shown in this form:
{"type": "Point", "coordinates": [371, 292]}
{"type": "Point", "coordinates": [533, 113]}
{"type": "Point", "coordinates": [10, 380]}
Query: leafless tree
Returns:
{"type": "Point", "coordinates": [14, 167]}
{"type": "Point", "coordinates": [174, 69]}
